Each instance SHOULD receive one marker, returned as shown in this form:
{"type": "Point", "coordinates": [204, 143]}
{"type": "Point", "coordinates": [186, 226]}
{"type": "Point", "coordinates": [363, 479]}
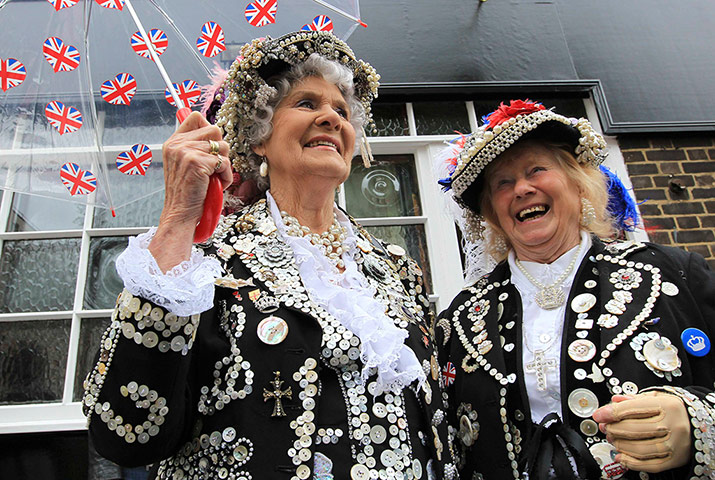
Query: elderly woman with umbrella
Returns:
{"type": "Point", "coordinates": [292, 344]}
{"type": "Point", "coordinates": [565, 323]}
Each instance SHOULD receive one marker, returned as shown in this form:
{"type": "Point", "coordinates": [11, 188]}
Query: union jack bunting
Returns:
{"type": "Point", "coordinates": [321, 23]}
{"type": "Point", "coordinates": [119, 90]}
{"type": "Point", "coordinates": [261, 12]}
{"type": "Point", "coordinates": [64, 119]}
{"type": "Point", "coordinates": [134, 161]}
{"type": "Point", "coordinates": [450, 373]}
{"type": "Point", "coordinates": [12, 73]}
{"type": "Point", "coordinates": [63, 58]}
{"type": "Point", "coordinates": [60, 4]}
{"type": "Point", "coordinates": [77, 181]}
{"type": "Point", "coordinates": [188, 90]}
{"type": "Point", "coordinates": [115, 4]}
{"type": "Point", "coordinates": [212, 40]}
{"type": "Point", "coordinates": [157, 38]}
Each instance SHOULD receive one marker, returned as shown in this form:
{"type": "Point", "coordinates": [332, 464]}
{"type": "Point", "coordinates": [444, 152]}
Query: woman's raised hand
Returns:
{"type": "Point", "coordinates": [188, 164]}
{"type": "Point", "coordinates": [651, 430]}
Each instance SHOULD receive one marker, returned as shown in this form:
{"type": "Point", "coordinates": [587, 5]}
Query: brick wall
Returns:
{"type": "Point", "coordinates": [675, 176]}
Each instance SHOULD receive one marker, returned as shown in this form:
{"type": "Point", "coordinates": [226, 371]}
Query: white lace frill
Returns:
{"type": "Point", "coordinates": [186, 289]}
{"type": "Point", "coordinates": [351, 300]}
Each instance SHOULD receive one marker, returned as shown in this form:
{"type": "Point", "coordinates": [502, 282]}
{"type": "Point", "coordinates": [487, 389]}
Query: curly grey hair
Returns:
{"type": "Point", "coordinates": [314, 66]}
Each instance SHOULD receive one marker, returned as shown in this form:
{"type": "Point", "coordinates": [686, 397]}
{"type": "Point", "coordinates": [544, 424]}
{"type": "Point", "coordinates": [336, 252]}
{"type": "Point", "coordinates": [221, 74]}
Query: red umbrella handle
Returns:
{"type": "Point", "coordinates": [214, 198]}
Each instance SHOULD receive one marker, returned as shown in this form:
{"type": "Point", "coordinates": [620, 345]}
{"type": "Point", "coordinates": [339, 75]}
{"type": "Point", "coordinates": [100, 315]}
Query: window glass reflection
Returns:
{"type": "Point", "coordinates": [103, 282]}
{"type": "Point", "coordinates": [390, 120]}
{"type": "Point", "coordinates": [142, 213]}
{"type": "Point", "coordinates": [38, 275]}
{"type": "Point", "coordinates": [389, 188]}
{"type": "Point", "coordinates": [441, 118]}
{"type": "Point", "coordinates": [90, 334]}
{"type": "Point", "coordinates": [33, 358]}
{"type": "Point", "coordinates": [30, 213]}
{"type": "Point", "coordinates": [412, 239]}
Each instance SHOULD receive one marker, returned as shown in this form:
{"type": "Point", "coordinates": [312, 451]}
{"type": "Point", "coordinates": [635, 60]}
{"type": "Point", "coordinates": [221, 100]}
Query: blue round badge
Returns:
{"type": "Point", "coordinates": [695, 341]}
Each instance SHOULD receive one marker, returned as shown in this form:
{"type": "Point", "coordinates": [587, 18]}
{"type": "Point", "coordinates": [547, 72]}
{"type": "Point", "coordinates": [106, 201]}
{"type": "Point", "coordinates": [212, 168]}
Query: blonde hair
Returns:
{"type": "Point", "coordinates": [589, 180]}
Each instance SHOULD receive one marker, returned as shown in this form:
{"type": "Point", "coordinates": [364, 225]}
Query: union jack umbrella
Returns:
{"type": "Point", "coordinates": [62, 57]}
{"type": "Point", "coordinates": [212, 40]}
{"type": "Point", "coordinates": [158, 39]}
{"type": "Point", "coordinates": [12, 73]}
{"type": "Point", "coordinates": [83, 63]}
{"type": "Point", "coordinates": [449, 372]}
{"type": "Point", "coordinates": [65, 119]}
{"type": "Point", "coordinates": [188, 90]}
{"type": "Point", "coordinates": [77, 181]}
{"type": "Point", "coordinates": [115, 4]}
{"type": "Point", "coordinates": [261, 12]}
{"type": "Point", "coordinates": [60, 4]}
{"type": "Point", "coordinates": [134, 161]}
{"type": "Point", "coordinates": [119, 90]}
{"type": "Point", "coordinates": [321, 23]}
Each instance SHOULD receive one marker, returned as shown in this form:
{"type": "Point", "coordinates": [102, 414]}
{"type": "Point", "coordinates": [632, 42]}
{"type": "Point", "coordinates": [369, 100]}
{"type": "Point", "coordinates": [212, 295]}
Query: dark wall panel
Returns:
{"type": "Point", "coordinates": [653, 58]}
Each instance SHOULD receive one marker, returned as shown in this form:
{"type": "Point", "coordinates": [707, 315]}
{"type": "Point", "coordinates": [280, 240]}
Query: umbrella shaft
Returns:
{"type": "Point", "coordinates": [154, 56]}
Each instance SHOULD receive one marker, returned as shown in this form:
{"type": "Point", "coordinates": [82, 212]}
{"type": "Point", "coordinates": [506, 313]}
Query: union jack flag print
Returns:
{"type": "Point", "coordinates": [63, 58]}
{"type": "Point", "coordinates": [261, 12]}
{"type": "Point", "coordinates": [77, 181]}
{"type": "Point", "coordinates": [114, 4]}
{"type": "Point", "coordinates": [12, 73]}
{"type": "Point", "coordinates": [134, 161]}
{"type": "Point", "coordinates": [212, 40]}
{"type": "Point", "coordinates": [157, 38]}
{"type": "Point", "coordinates": [188, 90]}
{"type": "Point", "coordinates": [60, 4]}
{"type": "Point", "coordinates": [450, 373]}
{"type": "Point", "coordinates": [321, 23]}
{"type": "Point", "coordinates": [119, 90]}
{"type": "Point", "coordinates": [64, 119]}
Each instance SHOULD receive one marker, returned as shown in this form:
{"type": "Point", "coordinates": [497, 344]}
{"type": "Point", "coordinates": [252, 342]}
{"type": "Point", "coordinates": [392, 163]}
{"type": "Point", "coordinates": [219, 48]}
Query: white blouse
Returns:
{"type": "Point", "coordinates": [543, 329]}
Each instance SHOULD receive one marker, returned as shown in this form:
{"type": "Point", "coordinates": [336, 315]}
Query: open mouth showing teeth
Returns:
{"type": "Point", "coordinates": [532, 213]}
{"type": "Point", "coordinates": [322, 143]}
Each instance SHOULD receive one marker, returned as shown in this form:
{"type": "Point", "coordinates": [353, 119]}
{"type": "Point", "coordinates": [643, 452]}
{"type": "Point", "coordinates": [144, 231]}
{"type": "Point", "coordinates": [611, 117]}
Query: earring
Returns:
{"type": "Point", "coordinates": [263, 168]}
{"type": "Point", "coordinates": [588, 213]}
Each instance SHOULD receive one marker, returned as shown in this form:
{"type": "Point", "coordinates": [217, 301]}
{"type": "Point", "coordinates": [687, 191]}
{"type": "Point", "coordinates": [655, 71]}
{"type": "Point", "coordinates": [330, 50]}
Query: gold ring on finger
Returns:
{"type": "Point", "coordinates": [214, 147]}
{"type": "Point", "coordinates": [218, 164]}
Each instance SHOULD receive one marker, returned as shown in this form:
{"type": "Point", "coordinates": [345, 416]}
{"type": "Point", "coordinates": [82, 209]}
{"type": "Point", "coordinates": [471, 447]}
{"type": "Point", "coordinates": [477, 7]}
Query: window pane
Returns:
{"type": "Point", "coordinates": [142, 213]}
{"type": "Point", "coordinates": [441, 118]}
{"type": "Point", "coordinates": [412, 239]}
{"type": "Point", "coordinates": [103, 282]}
{"type": "Point", "coordinates": [390, 119]}
{"type": "Point", "coordinates": [569, 107]}
{"type": "Point", "coordinates": [90, 334]}
{"type": "Point", "coordinates": [150, 120]}
{"type": "Point", "coordinates": [30, 213]}
{"type": "Point", "coordinates": [38, 275]}
{"type": "Point", "coordinates": [389, 188]}
{"type": "Point", "coordinates": [33, 358]}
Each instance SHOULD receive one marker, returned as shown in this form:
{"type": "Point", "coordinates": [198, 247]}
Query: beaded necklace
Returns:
{"type": "Point", "coordinates": [330, 242]}
{"type": "Point", "coordinates": [551, 296]}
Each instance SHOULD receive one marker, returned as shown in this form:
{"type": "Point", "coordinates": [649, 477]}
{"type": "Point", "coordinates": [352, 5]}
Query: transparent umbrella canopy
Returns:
{"type": "Point", "coordinates": [83, 106]}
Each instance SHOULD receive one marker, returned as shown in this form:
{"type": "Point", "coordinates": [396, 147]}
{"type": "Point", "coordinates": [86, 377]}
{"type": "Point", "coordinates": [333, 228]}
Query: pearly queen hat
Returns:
{"type": "Point", "coordinates": [521, 119]}
{"type": "Point", "coordinates": [244, 89]}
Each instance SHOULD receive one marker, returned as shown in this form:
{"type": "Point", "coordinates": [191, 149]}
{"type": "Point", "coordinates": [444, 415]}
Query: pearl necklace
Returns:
{"type": "Point", "coordinates": [331, 243]}
{"type": "Point", "coordinates": [551, 296]}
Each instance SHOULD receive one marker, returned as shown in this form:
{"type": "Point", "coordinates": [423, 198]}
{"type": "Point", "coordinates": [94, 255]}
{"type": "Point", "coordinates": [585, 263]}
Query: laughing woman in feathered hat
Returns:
{"type": "Point", "coordinates": [571, 357]}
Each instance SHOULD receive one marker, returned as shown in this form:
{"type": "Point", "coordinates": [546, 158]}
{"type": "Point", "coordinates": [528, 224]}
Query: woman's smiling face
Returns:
{"type": "Point", "coordinates": [535, 203]}
{"type": "Point", "coordinates": [312, 135]}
